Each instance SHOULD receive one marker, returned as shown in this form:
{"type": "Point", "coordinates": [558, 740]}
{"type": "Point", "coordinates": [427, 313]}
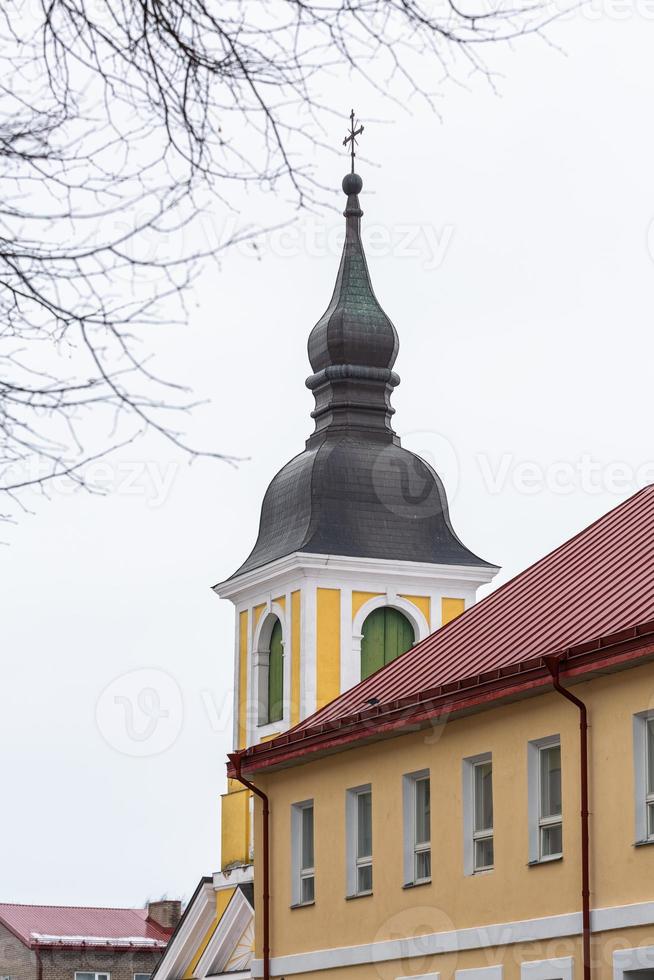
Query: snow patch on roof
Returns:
{"type": "Point", "coordinates": [40, 937]}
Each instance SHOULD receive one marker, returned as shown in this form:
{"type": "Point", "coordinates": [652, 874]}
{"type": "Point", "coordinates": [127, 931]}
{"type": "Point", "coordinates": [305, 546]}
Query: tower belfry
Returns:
{"type": "Point", "coordinates": [356, 557]}
{"type": "Point", "coordinates": [355, 560]}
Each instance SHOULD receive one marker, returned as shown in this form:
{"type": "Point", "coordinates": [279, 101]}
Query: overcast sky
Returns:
{"type": "Point", "coordinates": [512, 244]}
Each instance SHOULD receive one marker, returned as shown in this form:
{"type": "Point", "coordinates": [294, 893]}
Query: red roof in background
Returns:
{"type": "Point", "coordinates": [598, 583]}
{"type": "Point", "coordinates": [73, 926]}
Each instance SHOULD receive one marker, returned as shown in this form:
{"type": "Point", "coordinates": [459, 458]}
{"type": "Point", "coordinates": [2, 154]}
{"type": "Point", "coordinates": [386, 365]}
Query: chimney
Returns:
{"type": "Point", "coordinates": [166, 913]}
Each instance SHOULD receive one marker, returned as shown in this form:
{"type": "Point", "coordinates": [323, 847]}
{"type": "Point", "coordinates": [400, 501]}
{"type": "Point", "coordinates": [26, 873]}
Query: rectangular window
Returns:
{"type": "Point", "coordinates": [142, 976]}
{"type": "Point", "coordinates": [302, 850]}
{"type": "Point", "coordinates": [545, 800]}
{"type": "Point", "coordinates": [483, 816]}
{"type": "Point", "coordinates": [358, 819]}
{"type": "Point", "coordinates": [422, 829]}
{"type": "Point", "coordinates": [550, 822]}
{"type": "Point", "coordinates": [92, 976]}
{"type": "Point", "coordinates": [478, 848]}
{"type": "Point", "coordinates": [649, 799]}
{"type": "Point", "coordinates": [644, 775]}
{"type": "Point", "coordinates": [417, 828]}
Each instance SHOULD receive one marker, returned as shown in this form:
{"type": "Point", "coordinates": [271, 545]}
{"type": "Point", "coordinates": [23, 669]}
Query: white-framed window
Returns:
{"type": "Point", "coordinates": [545, 799]}
{"type": "Point", "coordinates": [649, 787]}
{"type": "Point", "coordinates": [142, 976]}
{"type": "Point", "coordinates": [421, 976]}
{"type": "Point", "coordinates": [417, 827]}
{"type": "Point", "coordinates": [358, 825]}
{"type": "Point", "coordinates": [479, 849]}
{"type": "Point", "coordinates": [302, 853]}
{"type": "Point", "coordinates": [644, 775]}
{"type": "Point", "coordinates": [480, 973]}
{"type": "Point", "coordinates": [634, 964]}
{"type": "Point", "coordinates": [561, 968]}
{"type": "Point", "coordinates": [84, 975]}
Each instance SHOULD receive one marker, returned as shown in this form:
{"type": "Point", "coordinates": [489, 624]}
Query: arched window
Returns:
{"type": "Point", "coordinates": [276, 675]}
{"type": "Point", "coordinates": [386, 634]}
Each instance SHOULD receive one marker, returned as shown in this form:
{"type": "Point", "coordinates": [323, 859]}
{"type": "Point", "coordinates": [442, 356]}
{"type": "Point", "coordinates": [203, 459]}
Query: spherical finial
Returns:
{"type": "Point", "coordinates": [352, 184]}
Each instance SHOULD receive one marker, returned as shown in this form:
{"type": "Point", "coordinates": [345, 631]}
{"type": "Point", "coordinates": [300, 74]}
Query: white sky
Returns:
{"type": "Point", "coordinates": [526, 340]}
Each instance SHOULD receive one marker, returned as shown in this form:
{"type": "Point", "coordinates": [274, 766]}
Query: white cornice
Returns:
{"type": "Point", "coordinates": [241, 875]}
{"type": "Point", "coordinates": [277, 574]}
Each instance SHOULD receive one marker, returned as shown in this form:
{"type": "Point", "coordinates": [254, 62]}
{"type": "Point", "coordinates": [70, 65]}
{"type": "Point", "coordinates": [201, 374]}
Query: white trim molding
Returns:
{"type": "Point", "coordinates": [476, 937]}
{"type": "Point", "coordinates": [626, 960]}
{"type": "Point", "coordinates": [276, 574]}
{"type": "Point", "coordinates": [241, 875]}
{"type": "Point", "coordinates": [561, 968]}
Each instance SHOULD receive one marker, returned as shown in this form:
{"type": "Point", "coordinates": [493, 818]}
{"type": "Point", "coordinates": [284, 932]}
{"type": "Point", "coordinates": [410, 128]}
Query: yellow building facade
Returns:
{"type": "Point", "coordinates": [480, 920]}
{"type": "Point", "coordinates": [489, 885]}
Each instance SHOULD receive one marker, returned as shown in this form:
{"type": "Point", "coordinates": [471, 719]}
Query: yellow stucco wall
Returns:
{"type": "Point", "coordinates": [423, 602]}
{"type": "Point", "coordinates": [256, 615]}
{"type": "Point", "coordinates": [360, 598]}
{"type": "Point", "coordinates": [621, 873]}
{"type": "Point", "coordinates": [450, 609]}
{"type": "Point", "coordinates": [235, 827]}
{"type": "Point", "coordinates": [295, 658]}
{"type": "Point", "coordinates": [242, 679]}
{"type": "Point", "coordinates": [328, 645]}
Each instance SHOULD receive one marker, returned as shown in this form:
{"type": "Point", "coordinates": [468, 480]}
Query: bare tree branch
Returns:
{"type": "Point", "coordinates": [121, 122]}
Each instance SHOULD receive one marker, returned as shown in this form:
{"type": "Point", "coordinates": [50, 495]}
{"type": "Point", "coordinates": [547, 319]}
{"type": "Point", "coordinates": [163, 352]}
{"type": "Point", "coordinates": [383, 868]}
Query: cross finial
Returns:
{"type": "Point", "coordinates": [351, 138]}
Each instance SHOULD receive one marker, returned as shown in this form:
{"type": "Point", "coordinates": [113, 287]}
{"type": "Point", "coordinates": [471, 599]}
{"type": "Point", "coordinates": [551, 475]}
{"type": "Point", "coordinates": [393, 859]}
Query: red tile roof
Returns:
{"type": "Point", "coordinates": [73, 926]}
{"type": "Point", "coordinates": [599, 582]}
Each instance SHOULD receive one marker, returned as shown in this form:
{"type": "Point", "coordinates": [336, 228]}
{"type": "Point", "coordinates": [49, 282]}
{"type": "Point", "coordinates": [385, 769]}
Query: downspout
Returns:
{"type": "Point", "coordinates": [39, 963]}
{"type": "Point", "coordinates": [235, 759]}
{"type": "Point", "coordinates": [553, 664]}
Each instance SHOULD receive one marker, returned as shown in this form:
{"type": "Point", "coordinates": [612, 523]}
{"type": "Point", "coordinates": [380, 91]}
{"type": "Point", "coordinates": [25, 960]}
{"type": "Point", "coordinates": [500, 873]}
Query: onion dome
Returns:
{"type": "Point", "coordinates": [354, 491]}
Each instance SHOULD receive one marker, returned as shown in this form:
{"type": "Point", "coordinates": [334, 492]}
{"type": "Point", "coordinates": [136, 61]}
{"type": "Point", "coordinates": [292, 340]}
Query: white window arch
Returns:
{"type": "Point", "coordinates": [388, 600]}
{"type": "Point", "coordinates": [261, 662]}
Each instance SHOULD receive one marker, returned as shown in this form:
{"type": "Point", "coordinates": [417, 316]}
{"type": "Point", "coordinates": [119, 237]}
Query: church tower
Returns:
{"type": "Point", "coordinates": [356, 558]}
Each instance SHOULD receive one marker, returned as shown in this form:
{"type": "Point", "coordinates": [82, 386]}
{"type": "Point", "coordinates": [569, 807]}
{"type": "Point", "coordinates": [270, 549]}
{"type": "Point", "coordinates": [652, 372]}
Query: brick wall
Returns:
{"type": "Point", "coordinates": [63, 964]}
{"type": "Point", "coordinates": [16, 960]}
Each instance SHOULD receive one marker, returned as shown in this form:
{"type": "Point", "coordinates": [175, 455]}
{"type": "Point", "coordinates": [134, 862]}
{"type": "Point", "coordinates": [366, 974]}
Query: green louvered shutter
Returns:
{"type": "Point", "coordinates": [386, 634]}
{"type": "Point", "coordinates": [372, 643]}
{"type": "Point", "coordinates": [276, 675]}
{"type": "Point", "coordinates": [398, 635]}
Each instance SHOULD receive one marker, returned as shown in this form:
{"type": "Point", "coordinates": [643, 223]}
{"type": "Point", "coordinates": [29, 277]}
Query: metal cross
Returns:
{"type": "Point", "coordinates": [351, 138]}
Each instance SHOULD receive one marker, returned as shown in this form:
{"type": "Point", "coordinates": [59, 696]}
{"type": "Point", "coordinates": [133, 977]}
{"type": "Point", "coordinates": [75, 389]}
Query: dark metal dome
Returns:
{"type": "Point", "coordinates": [355, 491]}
